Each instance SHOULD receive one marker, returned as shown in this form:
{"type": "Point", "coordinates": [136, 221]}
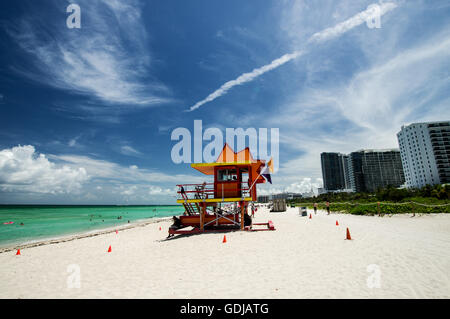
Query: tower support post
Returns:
{"type": "Point", "coordinates": [242, 214]}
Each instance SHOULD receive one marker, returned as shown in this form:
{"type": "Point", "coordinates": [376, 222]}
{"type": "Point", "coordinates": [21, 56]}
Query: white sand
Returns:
{"type": "Point", "coordinates": [303, 258]}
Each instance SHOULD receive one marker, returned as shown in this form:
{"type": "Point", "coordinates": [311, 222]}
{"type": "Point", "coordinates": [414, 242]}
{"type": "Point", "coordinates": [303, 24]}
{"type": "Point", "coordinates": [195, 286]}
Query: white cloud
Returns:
{"type": "Point", "coordinates": [113, 172]}
{"type": "Point", "coordinates": [130, 151]}
{"type": "Point", "coordinates": [96, 60]}
{"type": "Point", "coordinates": [339, 29]}
{"type": "Point", "coordinates": [129, 191]}
{"type": "Point", "coordinates": [246, 77]}
{"type": "Point", "coordinates": [24, 170]}
{"type": "Point", "coordinates": [322, 36]}
{"type": "Point", "coordinates": [387, 91]}
{"type": "Point", "coordinates": [156, 190]}
{"type": "Point", "coordinates": [74, 141]}
{"type": "Point", "coordinates": [376, 100]}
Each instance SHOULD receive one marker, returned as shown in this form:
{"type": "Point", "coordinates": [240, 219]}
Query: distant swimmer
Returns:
{"type": "Point", "coordinates": [22, 224]}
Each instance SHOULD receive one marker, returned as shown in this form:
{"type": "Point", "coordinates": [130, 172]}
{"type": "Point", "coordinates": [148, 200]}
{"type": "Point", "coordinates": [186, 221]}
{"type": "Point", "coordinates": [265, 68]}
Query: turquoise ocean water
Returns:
{"type": "Point", "coordinates": [44, 222]}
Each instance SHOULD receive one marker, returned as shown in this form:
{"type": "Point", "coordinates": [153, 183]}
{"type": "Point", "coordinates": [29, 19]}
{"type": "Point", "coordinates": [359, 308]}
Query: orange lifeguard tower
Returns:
{"type": "Point", "coordinates": [223, 204]}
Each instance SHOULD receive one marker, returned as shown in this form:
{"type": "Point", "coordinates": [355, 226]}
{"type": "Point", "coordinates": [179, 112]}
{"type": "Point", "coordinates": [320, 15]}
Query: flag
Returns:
{"type": "Point", "coordinates": [270, 165]}
{"type": "Point", "coordinates": [265, 172]}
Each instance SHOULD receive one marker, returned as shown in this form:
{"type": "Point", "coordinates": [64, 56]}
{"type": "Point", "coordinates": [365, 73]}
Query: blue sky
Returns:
{"type": "Point", "coordinates": [86, 114]}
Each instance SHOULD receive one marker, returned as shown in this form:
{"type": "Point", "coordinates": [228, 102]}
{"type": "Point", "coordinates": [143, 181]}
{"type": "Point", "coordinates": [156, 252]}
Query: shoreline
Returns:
{"type": "Point", "coordinates": [147, 221]}
{"type": "Point", "coordinates": [75, 236]}
{"type": "Point", "coordinates": [304, 257]}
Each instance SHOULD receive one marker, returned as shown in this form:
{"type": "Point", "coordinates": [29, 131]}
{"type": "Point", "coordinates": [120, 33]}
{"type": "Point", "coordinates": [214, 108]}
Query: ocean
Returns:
{"type": "Point", "coordinates": [45, 222]}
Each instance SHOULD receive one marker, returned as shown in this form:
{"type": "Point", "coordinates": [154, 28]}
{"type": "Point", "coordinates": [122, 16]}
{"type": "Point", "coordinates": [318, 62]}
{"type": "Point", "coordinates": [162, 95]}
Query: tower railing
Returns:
{"type": "Point", "coordinates": [206, 191]}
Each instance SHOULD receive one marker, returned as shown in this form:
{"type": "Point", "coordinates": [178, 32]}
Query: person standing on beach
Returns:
{"type": "Point", "coordinates": [315, 208]}
{"type": "Point", "coordinates": [328, 208]}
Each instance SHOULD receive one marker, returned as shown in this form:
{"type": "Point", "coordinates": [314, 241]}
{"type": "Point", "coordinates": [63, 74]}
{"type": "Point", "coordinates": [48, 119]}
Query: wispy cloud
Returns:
{"type": "Point", "coordinates": [365, 111]}
{"type": "Point", "coordinates": [318, 37]}
{"type": "Point", "coordinates": [74, 141]}
{"type": "Point", "coordinates": [106, 60]}
{"type": "Point", "coordinates": [130, 151]}
{"type": "Point", "coordinates": [353, 22]}
{"type": "Point", "coordinates": [246, 77]}
{"type": "Point", "coordinates": [107, 170]}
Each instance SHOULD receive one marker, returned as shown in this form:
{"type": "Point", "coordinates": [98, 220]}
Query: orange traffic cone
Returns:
{"type": "Point", "coordinates": [348, 235]}
{"type": "Point", "coordinates": [18, 252]}
{"type": "Point", "coordinates": [337, 224]}
{"type": "Point", "coordinates": [310, 216]}
{"type": "Point", "coordinates": [224, 239]}
{"type": "Point", "coordinates": [109, 249]}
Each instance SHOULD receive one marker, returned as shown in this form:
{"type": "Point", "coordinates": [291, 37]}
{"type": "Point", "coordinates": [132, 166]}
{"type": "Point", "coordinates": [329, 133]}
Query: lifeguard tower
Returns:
{"type": "Point", "coordinates": [223, 204]}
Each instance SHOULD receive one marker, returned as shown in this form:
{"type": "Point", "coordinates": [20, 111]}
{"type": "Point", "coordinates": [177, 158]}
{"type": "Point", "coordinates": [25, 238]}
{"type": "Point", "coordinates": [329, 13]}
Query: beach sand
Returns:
{"type": "Point", "coordinates": [303, 258]}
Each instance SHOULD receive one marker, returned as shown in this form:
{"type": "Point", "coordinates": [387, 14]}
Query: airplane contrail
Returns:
{"type": "Point", "coordinates": [373, 12]}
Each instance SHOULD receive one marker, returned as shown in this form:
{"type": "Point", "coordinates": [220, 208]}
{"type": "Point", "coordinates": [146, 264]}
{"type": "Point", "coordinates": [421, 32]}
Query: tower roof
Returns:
{"type": "Point", "coordinates": [228, 157]}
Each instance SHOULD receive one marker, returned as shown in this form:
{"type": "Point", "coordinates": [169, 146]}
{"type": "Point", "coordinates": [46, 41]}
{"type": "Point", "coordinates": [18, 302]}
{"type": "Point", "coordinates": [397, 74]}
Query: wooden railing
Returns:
{"type": "Point", "coordinates": [206, 190]}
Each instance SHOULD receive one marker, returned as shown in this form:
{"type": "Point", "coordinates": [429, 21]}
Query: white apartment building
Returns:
{"type": "Point", "coordinates": [425, 153]}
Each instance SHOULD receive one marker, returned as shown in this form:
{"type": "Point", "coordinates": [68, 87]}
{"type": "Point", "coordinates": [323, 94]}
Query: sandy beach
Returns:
{"type": "Point", "coordinates": [399, 256]}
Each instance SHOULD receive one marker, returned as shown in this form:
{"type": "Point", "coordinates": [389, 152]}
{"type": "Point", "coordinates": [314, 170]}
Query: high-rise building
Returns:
{"type": "Point", "coordinates": [373, 169]}
{"type": "Point", "coordinates": [362, 171]}
{"type": "Point", "coordinates": [346, 171]}
{"type": "Point", "coordinates": [355, 172]}
{"type": "Point", "coordinates": [334, 171]}
{"type": "Point", "coordinates": [425, 153]}
{"type": "Point", "coordinates": [382, 168]}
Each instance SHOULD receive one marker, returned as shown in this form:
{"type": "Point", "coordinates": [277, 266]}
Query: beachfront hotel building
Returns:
{"type": "Point", "coordinates": [287, 195]}
{"type": "Point", "coordinates": [362, 171]}
{"type": "Point", "coordinates": [373, 169]}
{"type": "Point", "coordinates": [263, 199]}
{"type": "Point", "coordinates": [355, 172]}
{"type": "Point", "coordinates": [425, 153]}
{"type": "Point", "coordinates": [335, 171]}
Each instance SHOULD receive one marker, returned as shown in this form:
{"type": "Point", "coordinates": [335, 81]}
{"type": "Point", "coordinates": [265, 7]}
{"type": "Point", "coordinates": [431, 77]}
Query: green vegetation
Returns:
{"type": "Point", "coordinates": [426, 200]}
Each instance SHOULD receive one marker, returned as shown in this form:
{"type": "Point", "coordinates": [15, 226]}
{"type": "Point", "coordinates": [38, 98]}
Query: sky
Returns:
{"type": "Point", "coordinates": [86, 115]}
